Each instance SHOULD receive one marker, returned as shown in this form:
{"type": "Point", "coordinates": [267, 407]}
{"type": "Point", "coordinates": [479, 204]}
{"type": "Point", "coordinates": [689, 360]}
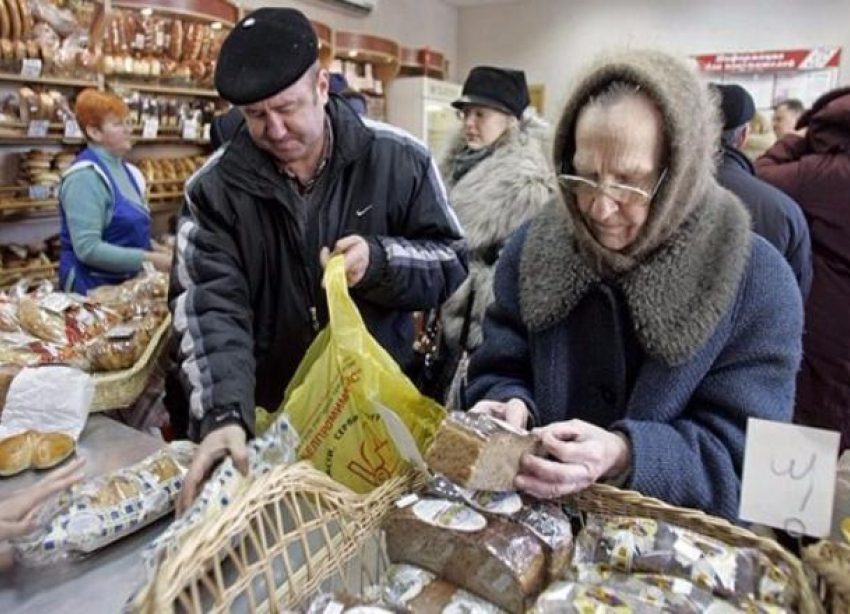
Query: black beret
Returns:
{"type": "Point", "coordinates": [265, 53]}
{"type": "Point", "coordinates": [736, 104]}
{"type": "Point", "coordinates": [503, 89]}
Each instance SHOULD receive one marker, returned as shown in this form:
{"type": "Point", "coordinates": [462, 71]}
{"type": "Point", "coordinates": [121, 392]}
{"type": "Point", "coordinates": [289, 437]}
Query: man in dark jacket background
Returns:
{"type": "Point", "coordinates": [305, 178]}
{"type": "Point", "coordinates": [775, 216]}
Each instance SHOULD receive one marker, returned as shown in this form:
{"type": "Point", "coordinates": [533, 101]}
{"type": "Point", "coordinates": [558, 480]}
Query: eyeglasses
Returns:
{"type": "Point", "coordinates": [582, 187]}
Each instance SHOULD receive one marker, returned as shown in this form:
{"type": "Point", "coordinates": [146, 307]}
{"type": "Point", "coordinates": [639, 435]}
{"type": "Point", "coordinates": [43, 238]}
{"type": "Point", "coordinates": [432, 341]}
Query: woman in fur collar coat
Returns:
{"type": "Point", "coordinates": [640, 323]}
{"type": "Point", "coordinates": [497, 178]}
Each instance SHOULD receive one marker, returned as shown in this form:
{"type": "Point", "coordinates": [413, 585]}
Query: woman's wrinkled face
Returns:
{"type": "Point", "coordinates": [619, 144]}
{"type": "Point", "coordinates": [482, 126]}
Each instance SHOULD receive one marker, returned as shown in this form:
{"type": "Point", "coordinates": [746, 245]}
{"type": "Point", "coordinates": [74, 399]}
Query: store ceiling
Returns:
{"type": "Point", "coordinates": [465, 3]}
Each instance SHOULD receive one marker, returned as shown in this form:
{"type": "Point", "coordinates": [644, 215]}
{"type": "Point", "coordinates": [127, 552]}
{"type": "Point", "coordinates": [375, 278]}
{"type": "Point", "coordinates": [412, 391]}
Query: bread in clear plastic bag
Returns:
{"type": "Point", "coordinates": [107, 508]}
{"type": "Point", "coordinates": [643, 545]}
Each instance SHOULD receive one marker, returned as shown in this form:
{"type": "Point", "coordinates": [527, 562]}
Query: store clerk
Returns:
{"type": "Point", "coordinates": [105, 220]}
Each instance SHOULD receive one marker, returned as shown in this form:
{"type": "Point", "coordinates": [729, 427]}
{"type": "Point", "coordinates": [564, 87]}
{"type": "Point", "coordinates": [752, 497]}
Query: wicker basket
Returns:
{"type": "Point", "coordinates": [293, 532]}
{"type": "Point", "coordinates": [831, 562]}
{"type": "Point", "coordinates": [296, 531]}
{"type": "Point", "coordinates": [121, 388]}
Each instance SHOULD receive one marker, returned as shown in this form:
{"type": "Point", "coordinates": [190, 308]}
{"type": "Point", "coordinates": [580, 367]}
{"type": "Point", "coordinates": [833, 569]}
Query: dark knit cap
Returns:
{"type": "Point", "coordinates": [503, 89]}
{"type": "Point", "coordinates": [736, 105]}
{"type": "Point", "coordinates": [265, 53]}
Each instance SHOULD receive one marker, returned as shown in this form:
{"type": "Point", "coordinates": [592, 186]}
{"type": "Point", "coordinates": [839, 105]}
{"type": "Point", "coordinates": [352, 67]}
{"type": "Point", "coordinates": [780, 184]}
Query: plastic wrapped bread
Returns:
{"type": "Point", "coordinates": [479, 452]}
{"type": "Point", "coordinates": [492, 557]}
{"type": "Point", "coordinates": [643, 545]}
{"type": "Point", "coordinates": [107, 508]}
{"type": "Point", "coordinates": [549, 524]}
{"type": "Point", "coordinates": [420, 591]}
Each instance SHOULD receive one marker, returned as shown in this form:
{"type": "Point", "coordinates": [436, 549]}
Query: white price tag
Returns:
{"type": "Point", "coordinates": [31, 68]}
{"type": "Point", "coordinates": [38, 128]}
{"type": "Point", "coordinates": [72, 130]}
{"type": "Point", "coordinates": [139, 41]}
{"type": "Point", "coordinates": [56, 302]}
{"type": "Point", "coordinates": [150, 128]}
{"type": "Point", "coordinates": [789, 477]}
{"type": "Point", "coordinates": [190, 130]}
{"type": "Point", "coordinates": [159, 38]}
{"type": "Point", "coordinates": [39, 192]}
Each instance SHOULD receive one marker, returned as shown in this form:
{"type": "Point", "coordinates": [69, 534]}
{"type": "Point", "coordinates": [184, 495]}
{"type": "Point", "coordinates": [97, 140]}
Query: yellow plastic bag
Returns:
{"type": "Point", "coordinates": [331, 400]}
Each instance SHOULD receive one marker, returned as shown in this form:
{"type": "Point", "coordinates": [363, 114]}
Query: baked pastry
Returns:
{"type": "Point", "coordinates": [116, 489]}
{"type": "Point", "coordinates": [50, 449]}
{"type": "Point", "coordinates": [479, 452]}
{"type": "Point", "coordinates": [15, 454]}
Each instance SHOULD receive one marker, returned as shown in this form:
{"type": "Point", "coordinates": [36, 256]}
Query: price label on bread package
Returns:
{"type": "Point", "coordinates": [72, 130]}
{"type": "Point", "coordinates": [190, 130]}
{"type": "Point", "coordinates": [150, 128]}
{"type": "Point", "coordinates": [31, 68]}
{"type": "Point", "coordinates": [789, 477]}
{"type": "Point", "coordinates": [38, 128]}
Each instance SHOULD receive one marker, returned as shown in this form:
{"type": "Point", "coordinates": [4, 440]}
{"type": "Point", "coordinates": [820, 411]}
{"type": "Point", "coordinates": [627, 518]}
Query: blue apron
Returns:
{"type": "Point", "coordinates": [129, 226]}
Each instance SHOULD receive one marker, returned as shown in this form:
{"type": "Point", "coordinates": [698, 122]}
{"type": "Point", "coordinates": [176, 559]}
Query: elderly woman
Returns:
{"type": "Point", "coordinates": [640, 323]}
{"type": "Point", "coordinates": [106, 222]}
{"type": "Point", "coordinates": [497, 177]}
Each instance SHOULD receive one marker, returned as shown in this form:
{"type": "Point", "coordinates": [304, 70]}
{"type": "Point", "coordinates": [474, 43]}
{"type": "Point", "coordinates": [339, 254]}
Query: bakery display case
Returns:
{"type": "Point", "coordinates": [159, 56]}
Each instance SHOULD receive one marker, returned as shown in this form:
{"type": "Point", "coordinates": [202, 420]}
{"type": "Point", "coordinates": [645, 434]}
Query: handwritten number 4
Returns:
{"type": "Point", "coordinates": [797, 476]}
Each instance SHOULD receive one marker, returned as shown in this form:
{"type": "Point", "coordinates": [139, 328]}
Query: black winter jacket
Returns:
{"type": "Point", "coordinates": [775, 216]}
{"type": "Point", "coordinates": [246, 289]}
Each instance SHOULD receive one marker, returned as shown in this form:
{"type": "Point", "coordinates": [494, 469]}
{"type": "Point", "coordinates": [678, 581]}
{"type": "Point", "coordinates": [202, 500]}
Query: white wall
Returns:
{"type": "Point", "coordinates": [552, 39]}
{"type": "Point", "coordinates": [411, 23]}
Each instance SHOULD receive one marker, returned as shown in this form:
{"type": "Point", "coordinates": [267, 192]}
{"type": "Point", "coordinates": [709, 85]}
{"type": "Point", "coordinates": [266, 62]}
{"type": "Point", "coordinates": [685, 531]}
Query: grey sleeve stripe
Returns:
{"type": "Point", "coordinates": [398, 135]}
{"type": "Point", "coordinates": [417, 254]}
{"type": "Point", "coordinates": [186, 324]}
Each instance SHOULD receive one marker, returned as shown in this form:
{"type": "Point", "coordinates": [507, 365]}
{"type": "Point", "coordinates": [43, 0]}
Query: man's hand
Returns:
{"type": "Point", "coordinates": [581, 454]}
{"type": "Point", "coordinates": [356, 252]}
{"type": "Point", "coordinates": [514, 412]}
{"type": "Point", "coordinates": [19, 512]}
{"type": "Point", "coordinates": [226, 441]}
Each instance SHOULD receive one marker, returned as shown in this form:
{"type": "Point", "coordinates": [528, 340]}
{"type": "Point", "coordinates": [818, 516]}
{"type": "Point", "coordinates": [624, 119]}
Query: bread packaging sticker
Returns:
{"type": "Point", "coordinates": [106, 508]}
{"type": "Point", "coordinates": [449, 515]}
{"type": "Point", "coordinates": [277, 446]}
{"type": "Point", "coordinates": [47, 399]}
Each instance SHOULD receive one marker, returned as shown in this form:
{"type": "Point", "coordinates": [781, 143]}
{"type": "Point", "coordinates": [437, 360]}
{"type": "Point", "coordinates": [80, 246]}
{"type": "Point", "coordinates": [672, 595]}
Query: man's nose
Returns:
{"type": "Point", "coordinates": [275, 127]}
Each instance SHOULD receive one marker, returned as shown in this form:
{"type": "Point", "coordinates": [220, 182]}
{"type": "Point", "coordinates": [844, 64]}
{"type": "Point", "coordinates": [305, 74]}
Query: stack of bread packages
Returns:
{"type": "Point", "coordinates": [58, 37]}
{"type": "Point", "coordinates": [466, 543]}
{"type": "Point", "coordinates": [161, 48]}
{"type": "Point", "coordinates": [108, 330]}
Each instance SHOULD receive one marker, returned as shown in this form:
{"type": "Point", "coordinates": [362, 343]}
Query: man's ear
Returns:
{"type": "Point", "coordinates": [744, 137]}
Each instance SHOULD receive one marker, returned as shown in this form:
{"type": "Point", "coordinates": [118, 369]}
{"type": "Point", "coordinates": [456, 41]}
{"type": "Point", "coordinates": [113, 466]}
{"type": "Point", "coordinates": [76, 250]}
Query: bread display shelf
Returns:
{"type": "Point", "coordinates": [122, 388]}
{"type": "Point", "coordinates": [24, 204]}
{"type": "Point", "coordinates": [156, 88]}
{"type": "Point", "coordinates": [209, 11]}
{"type": "Point", "coordinates": [60, 81]}
{"type": "Point", "coordinates": [384, 54]}
{"type": "Point", "coordinates": [9, 277]}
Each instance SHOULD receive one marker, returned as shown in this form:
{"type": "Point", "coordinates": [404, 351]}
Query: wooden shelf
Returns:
{"type": "Point", "coordinates": [24, 205]}
{"type": "Point", "coordinates": [326, 44]}
{"type": "Point", "coordinates": [157, 88]}
{"type": "Point", "coordinates": [223, 11]}
{"type": "Point", "coordinates": [164, 196]}
{"type": "Point", "coordinates": [9, 277]}
{"type": "Point", "coordinates": [384, 54]}
{"type": "Point", "coordinates": [62, 81]}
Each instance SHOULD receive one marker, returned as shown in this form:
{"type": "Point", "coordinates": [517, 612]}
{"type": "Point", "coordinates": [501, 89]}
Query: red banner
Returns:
{"type": "Point", "coordinates": [770, 61]}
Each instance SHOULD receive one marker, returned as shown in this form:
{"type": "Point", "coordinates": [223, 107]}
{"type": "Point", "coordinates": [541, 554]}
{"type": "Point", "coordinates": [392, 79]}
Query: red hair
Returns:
{"type": "Point", "coordinates": [93, 106]}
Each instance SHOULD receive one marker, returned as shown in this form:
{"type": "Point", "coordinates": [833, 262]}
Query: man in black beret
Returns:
{"type": "Point", "coordinates": [303, 179]}
{"type": "Point", "coordinates": [775, 216]}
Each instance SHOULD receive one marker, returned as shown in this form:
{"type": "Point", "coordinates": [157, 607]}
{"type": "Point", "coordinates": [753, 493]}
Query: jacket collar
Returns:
{"type": "Point", "coordinates": [254, 171]}
{"type": "Point", "coordinates": [676, 295]}
{"type": "Point", "coordinates": [737, 158]}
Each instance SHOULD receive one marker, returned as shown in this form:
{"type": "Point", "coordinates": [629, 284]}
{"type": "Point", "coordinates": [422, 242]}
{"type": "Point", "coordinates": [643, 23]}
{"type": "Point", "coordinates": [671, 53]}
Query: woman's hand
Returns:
{"type": "Point", "coordinates": [19, 512]}
{"type": "Point", "coordinates": [514, 412]}
{"type": "Point", "coordinates": [160, 260]}
{"type": "Point", "coordinates": [579, 454]}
